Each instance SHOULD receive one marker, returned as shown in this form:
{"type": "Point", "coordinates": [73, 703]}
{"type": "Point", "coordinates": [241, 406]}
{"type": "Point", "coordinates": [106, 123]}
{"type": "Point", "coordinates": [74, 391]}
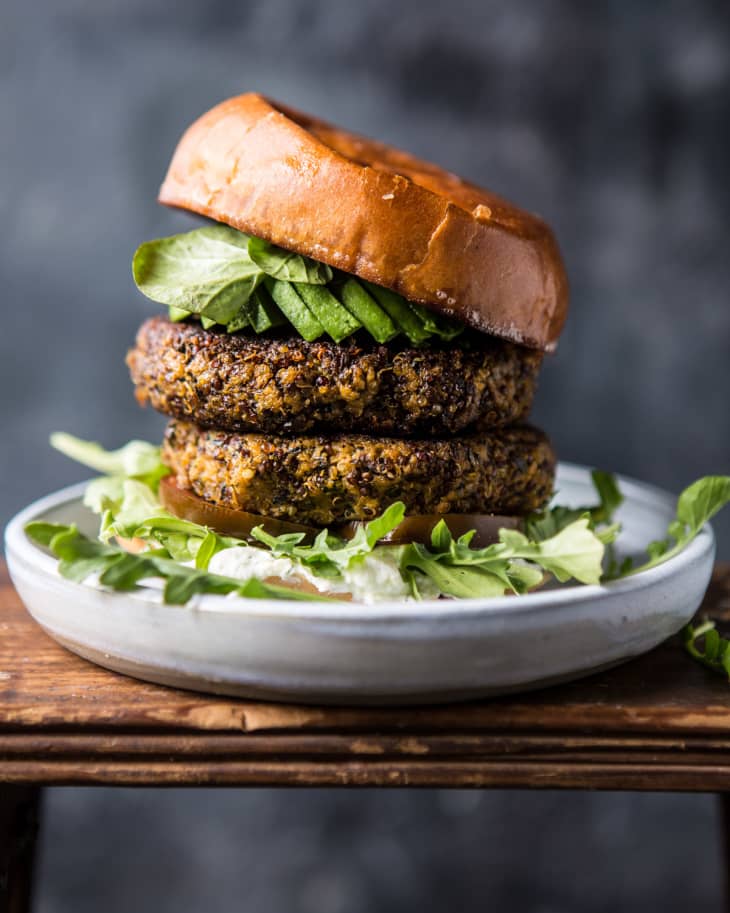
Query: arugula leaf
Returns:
{"type": "Point", "coordinates": [567, 543]}
{"type": "Point", "coordinates": [716, 653]}
{"type": "Point", "coordinates": [550, 521]}
{"type": "Point", "coordinates": [458, 573]}
{"type": "Point", "coordinates": [80, 557]}
{"type": "Point", "coordinates": [129, 506]}
{"type": "Point", "coordinates": [575, 552]}
{"type": "Point", "coordinates": [459, 570]}
{"type": "Point", "coordinates": [455, 580]}
{"type": "Point", "coordinates": [696, 505]}
{"type": "Point", "coordinates": [328, 555]}
{"type": "Point", "coordinates": [609, 495]}
{"type": "Point", "coordinates": [43, 533]}
{"type": "Point", "coordinates": [137, 504]}
{"type": "Point", "coordinates": [700, 501]}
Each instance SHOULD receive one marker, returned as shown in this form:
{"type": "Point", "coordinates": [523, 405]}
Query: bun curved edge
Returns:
{"type": "Point", "coordinates": [369, 209]}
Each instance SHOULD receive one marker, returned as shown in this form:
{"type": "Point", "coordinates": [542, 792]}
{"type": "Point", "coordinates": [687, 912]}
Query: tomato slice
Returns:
{"type": "Point", "coordinates": [238, 523]}
{"type": "Point", "coordinates": [224, 520]}
{"type": "Point", "coordinates": [419, 528]}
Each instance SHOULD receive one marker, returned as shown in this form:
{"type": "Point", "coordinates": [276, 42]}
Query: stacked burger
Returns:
{"type": "Point", "coordinates": [357, 327]}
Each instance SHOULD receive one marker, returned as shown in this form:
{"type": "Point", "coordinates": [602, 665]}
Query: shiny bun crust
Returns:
{"type": "Point", "coordinates": [372, 210]}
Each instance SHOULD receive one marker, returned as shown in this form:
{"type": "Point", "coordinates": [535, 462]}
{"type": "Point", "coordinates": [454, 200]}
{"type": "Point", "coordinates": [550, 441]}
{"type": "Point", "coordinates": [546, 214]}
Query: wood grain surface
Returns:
{"type": "Point", "coordinates": [658, 722]}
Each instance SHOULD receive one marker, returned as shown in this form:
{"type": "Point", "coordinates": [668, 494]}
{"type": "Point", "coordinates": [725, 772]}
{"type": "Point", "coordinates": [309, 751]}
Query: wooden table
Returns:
{"type": "Point", "coordinates": [660, 722]}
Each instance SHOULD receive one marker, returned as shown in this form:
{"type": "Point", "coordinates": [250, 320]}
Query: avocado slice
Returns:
{"type": "Point", "coordinates": [337, 321]}
{"type": "Point", "coordinates": [400, 312]}
{"type": "Point", "coordinates": [367, 310]}
{"type": "Point", "coordinates": [294, 309]}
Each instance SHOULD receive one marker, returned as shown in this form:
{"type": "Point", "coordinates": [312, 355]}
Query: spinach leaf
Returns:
{"type": "Point", "coordinates": [283, 264]}
{"type": "Point", "coordinates": [208, 271]}
{"type": "Point", "coordinates": [217, 274]}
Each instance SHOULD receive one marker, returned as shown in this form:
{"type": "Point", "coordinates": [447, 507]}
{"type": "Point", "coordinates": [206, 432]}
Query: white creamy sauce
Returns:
{"type": "Point", "coordinates": [373, 579]}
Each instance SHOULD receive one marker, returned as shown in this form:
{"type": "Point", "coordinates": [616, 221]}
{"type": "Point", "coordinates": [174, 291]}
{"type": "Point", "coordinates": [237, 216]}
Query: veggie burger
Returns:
{"type": "Point", "coordinates": [348, 364]}
{"type": "Point", "coordinates": [357, 328]}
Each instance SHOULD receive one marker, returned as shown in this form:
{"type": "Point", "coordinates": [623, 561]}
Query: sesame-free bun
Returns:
{"type": "Point", "coordinates": [369, 209]}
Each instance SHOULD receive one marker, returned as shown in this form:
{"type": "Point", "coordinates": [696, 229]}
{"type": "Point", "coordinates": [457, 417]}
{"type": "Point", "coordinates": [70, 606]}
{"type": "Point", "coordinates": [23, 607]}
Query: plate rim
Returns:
{"type": "Point", "coordinates": [18, 544]}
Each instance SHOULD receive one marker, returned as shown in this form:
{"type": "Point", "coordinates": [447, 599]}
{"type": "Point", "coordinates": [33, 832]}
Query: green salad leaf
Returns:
{"type": "Point", "coordinates": [231, 279]}
{"type": "Point", "coordinates": [129, 490]}
{"type": "Point", "coordinates": [329, 555]}
{"type": "Point", "coordinates": [696, 505]}
{"type": "Point", "coordinates": [283, 264]}
{"type": "Point", "coordinates": [716, 652]}
{"type": "Point", "coordinates": [551, 520]}
{"type": "Point", "coordinates": [564, 543]}
{"type": "Point", "coordinates": [514, 564]}
{"type": "Point", "coordinates": [208, 272]}
{"type": "Point", "coordinates": [136, 460]}
{"type": "Point", "coordinates": [80, 557]}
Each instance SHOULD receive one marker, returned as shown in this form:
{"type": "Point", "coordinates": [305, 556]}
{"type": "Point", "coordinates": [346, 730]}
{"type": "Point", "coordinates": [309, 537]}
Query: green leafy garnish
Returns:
{"type": "Point", "coordinates": [136, 460]}
{"type": "Point", "coordinates": [514, 564]}
{"type": "Point", "coordinates": [716, 652]}
{"type": "Point", "coordinates": [329, 555]}
{"type": "Point", "coordinates": [79, 557]}
{"type": "Point", "coordinates": [234, 280]}
{"type": "Point", "coordinates": [565, 543]}
{"type": "Point", "coordinates": [128, 504]}
{"type": "Point", "coordinates": [139, 515]}
{"type": "Point", "coordinates": [696, 506]}
{"type": "Point", "coordinates": [283, 264]}
{"type": "Point", "coordinates": [456, 568]}
{"type": "Point", "coordinates": [550, 521]}
{"type": "Point", "coordinates": [208, 272]}
{"type": "Point", "coordinates": [125, 497]}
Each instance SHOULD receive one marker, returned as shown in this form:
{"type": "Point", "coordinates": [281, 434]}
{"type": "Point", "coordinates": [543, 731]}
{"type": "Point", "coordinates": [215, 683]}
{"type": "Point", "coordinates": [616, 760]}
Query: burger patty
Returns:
{"type": "Point", "coordinates": [322, 480]}
{"type": "Point", "coordinates": [255, 383]}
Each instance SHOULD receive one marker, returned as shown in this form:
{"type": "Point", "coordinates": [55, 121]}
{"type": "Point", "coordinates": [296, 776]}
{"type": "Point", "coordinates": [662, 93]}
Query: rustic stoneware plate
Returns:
{"type": "Point", "coordinates": [394, 652]}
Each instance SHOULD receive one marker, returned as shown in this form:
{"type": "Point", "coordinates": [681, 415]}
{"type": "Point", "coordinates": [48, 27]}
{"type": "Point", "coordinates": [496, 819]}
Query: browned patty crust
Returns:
{"type": "Point", "coordinates": [253, 383]}
{"type": "Point", "coordinates": [322, 480]}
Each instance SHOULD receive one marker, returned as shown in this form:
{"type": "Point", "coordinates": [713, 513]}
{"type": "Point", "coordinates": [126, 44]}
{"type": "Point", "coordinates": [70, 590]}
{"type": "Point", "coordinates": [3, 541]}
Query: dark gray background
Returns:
{"type": "Point", "coordinates": [614, 123]}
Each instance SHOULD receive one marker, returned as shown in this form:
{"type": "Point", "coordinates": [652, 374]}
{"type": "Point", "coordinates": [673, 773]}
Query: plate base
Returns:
{"type": "Point", "coordinates": [175, 679]}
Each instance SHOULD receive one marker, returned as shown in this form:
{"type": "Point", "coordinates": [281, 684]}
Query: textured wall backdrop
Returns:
{"type": "Point", "coordinates": [614, 124]}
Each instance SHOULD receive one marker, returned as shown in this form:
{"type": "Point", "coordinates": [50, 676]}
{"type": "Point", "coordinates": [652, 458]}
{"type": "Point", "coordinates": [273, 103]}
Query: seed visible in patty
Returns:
{"type": "Point", "coordinates": [322, 480]}
{"type": "Point", "coordinates": [255, 383]}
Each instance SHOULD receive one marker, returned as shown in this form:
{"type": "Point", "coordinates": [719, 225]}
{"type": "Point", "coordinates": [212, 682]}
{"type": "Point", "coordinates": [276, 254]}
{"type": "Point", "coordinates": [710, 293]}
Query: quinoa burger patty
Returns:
{"type": "Point", "coordinates": [321, 480]}
{"type": "Point", "coordinates": [250, 383]}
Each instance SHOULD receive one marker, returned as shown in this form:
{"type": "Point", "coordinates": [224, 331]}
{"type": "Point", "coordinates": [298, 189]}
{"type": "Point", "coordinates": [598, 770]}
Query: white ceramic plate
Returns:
{"type": "Point", "coordinates": [394, 652]}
